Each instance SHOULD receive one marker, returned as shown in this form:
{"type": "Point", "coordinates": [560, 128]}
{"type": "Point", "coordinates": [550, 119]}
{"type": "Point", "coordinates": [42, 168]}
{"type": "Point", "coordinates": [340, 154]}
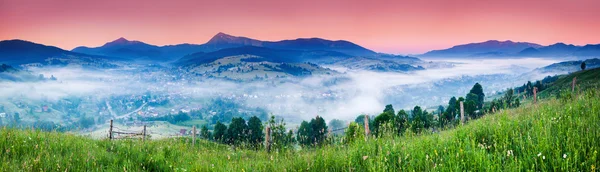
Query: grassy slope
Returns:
{"type": "Point", "coordinates": [533, 137]}
{"type": "Point", "coordinates": [587, 79]}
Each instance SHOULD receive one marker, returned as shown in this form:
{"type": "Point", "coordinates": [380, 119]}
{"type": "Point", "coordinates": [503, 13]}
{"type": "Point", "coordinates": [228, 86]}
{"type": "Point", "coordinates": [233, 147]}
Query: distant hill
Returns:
{"type": "Point", "coordinates": [19, 52]}
{"type": "Point", "coordinates": [562, 50]}
{"type": "Point", "coordinates": [268, 54]}
{"type": "Point", "coordinates": [482, 49]}
{"type": "Point", "coordinates": [9, 73]}
{"type": "Point", "coordinates": [137, 50]}
{"type": "Point", "coordinates": [569, 66]}
{"type": "Point", "coordinates": [304, 44]}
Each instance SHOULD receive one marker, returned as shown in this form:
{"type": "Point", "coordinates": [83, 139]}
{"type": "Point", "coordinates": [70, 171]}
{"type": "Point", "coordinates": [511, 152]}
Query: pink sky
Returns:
{"type": "Point", "coordinates": [391, 26]}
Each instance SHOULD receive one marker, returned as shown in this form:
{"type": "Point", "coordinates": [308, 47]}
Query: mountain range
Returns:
{"type": "Point", "coordinates": [18, 52]}
{"type": "Point", "coordinates": [142, 51]}
{"type": "Point", "coordinates": [314, 50]}
{"type": "Point", "coordinates": [494, 48]}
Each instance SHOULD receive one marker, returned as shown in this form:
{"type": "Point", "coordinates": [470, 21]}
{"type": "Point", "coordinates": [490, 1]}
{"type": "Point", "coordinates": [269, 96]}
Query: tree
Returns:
{"type": "Point", "coordinates": [336, 124]}
{"type": "Point", "coordinates": [418, 122]}
{"type": "Point", "coordinates": [220, 131]}
{"type": "Point", "coordinates": [582, 65]}
{"type": "Point", "coordinates": [204, 132]}
{"type": "Point", "coordinates": [16, 118]}
{"type": "Point", "coordinates": [279, 138]}
{"type": "Point", "coordinates": [389, 109]}
{"type": "Point", "coordinates": [237, 131]}
{"type": "Point", "coordinates": [508, 97]}
{"type": "Point", "coordinates": [478, 90]}
{"type": "Point", "coordinates": [517, 103]}
{"type": "Point", "coordinates": [255, 130]}
{"type": "Point", "coordinates": [312, 133]}
{"type": "Point", "coordinates": [382, 119]}
{"type": "Point", "coordinates": [401, 121]}
{"type": "Point", "coordinates": [471, 104]}
{"type": "Point", "coordinates": [451, 110]}
{"type": "Point", "coordinates": [319, 130]}
{"type": "Point", "coordinates": [529, 88]}
{"type": "Point", "coordinates": [440, 109]}
{"type": "Point", "coordinates": [360, 120]}
{"type": "Point", "coordinates": [470, 108]}
{"type": "Point", "coordinates": [354, 132]}
{"type": "Point", "coordinates": [85, 122]}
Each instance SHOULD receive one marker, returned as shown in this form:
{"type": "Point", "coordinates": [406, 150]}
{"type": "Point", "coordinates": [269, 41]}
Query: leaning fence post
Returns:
{"type": "Point", "coordinates": [367, 131]}
{"type": "Point", "coordinates": [110, 130]}
{"type": "Point", "coordinates": [462, 112]}
{"type": "Point", "coordinates": [268, 139]}
{"type": "Point", "coordinates": [574, 80]}
{"type": "Point", "coordinates": [534, 95]}
{"type": "Point", "coordinates": [144, 134]}
{"type": "Point", "coordinates": [193, 135]}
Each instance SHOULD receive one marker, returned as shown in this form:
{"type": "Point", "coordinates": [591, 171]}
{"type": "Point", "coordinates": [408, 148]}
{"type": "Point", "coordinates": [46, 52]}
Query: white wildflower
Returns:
{"type": "Point", "coordinates": [565, 156]}
{"type": "Point", "coordinates": [539, 154]}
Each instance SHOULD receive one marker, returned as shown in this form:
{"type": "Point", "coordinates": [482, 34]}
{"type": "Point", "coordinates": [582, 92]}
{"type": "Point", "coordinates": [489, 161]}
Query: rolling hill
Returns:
{"type": "Point", "coordinates": [492, 48]}
{"type": "Point", "coordinates": [20, 52]}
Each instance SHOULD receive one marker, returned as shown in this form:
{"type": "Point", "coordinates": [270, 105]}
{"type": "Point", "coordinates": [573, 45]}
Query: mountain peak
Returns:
{"type": "Point", "coordinates": [122, 41]}
{"type": "Point", "coordinates": [223, 38]}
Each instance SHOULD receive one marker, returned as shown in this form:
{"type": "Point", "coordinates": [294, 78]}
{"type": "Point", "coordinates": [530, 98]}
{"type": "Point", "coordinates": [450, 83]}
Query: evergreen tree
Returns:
{"type": "Point", "coordinates": [381, 119]}
{"type": "Point", "coordinates": [279, 138]}
{"type": "Point", "coordinates": [418, 122]}
{"type": "Point", "coordinates": [312, 133]}
{"type": "Point", "coordinates": [237, 131]}
{"type": "Point", "coordinates": [354, 132]}
{"type": "Point", "coordinates": [509, 97]}
{"type": "Point", "coordinates": [389, 109]}
{"type": "Point", "coordinates": [401, 121]}
{"type": "Point", "coordinates": [220, 132]}
{"type": "Point", "coordinates": [470, 104]}
{"type": "Point", "coordinates": [478, 90]}
{"type": "Point", "coordinates": [304, 134]}
{"type": "Point", "coordinates": [205, 133]}
{"type": "Point", "coordinates": [255, 130]}
{"type": "Point", "coordinates": [319, 130]}
{"type": "Point", "coordinates": [583, 65]}
{"type": "Point", "coordinates": [451, 110]}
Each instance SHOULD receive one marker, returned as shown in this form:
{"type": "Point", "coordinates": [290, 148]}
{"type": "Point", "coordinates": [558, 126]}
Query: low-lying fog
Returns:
{"type": "Point", "coordinates": [342, 97]}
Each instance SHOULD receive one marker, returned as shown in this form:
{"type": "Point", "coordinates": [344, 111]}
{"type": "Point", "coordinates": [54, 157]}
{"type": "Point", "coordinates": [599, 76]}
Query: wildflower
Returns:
{"type": "Point", "coordinates": [539, 154]}
{"type": "Point", "coordinates": [365, 157]}
{"type": "Point", "coordinates": [565, 156]}
{"type": "Point", "coordinates": [543, 157]}
{"type": "Point", "coordinates": [509, 153]}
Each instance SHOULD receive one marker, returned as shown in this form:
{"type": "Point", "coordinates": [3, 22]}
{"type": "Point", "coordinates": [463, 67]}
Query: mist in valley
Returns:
{"type": "Point", "coordinates": [139, 92]}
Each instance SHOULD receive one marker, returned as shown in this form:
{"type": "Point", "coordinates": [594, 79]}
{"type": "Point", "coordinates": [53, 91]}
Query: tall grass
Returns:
{"type": "Point", "coordinates": [552, 135]}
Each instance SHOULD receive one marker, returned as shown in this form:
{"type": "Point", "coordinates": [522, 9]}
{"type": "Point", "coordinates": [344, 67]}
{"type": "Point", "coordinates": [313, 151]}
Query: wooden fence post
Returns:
{"type": "Point", "coordinates": [268, 139]}
{"type": "Point", "coordinates": [193, 135]}
{"type": "Point", "coordinates": [367, 131]}
{"type": "Point", "coordinates": [144, 134]}
{"type": "Point", "coordinates": [574, 80]}
{"type": "Point", "coordinates": [534, 95]}
{"type": "Point", "coordinates": [462, 112]}
{"type": "Point", "coordinates": [110, 130]}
